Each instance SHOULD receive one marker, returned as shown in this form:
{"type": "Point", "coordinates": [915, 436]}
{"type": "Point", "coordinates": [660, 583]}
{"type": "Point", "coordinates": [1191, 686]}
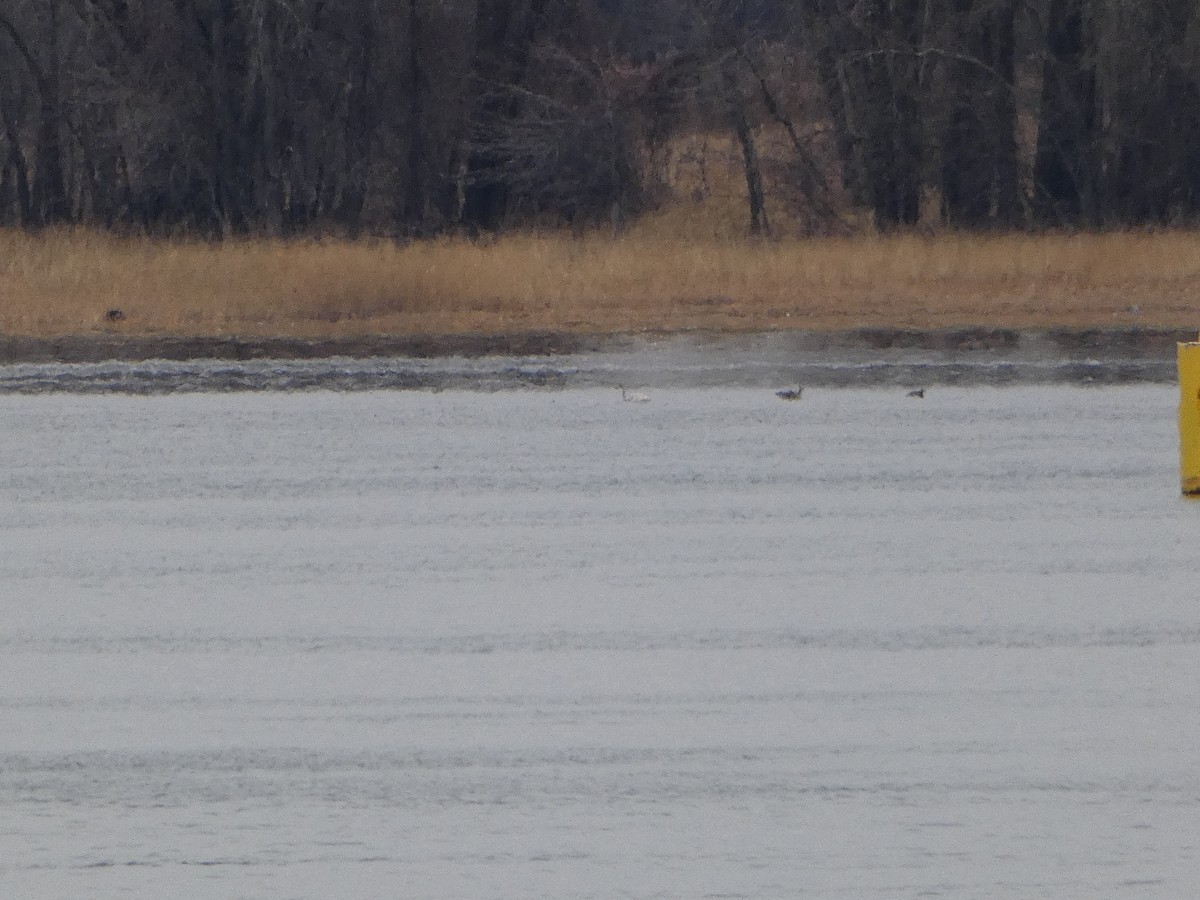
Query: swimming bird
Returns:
{"type": "Point", "coordinates": [790, 394]}
{"type": "Point", "coordinates": [918, 393]}
{"type": "Point", "coordinates": [632, 398]}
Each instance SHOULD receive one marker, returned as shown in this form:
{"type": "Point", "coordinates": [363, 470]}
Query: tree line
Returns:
{"type": "Point", "coordinates": [418, 117]}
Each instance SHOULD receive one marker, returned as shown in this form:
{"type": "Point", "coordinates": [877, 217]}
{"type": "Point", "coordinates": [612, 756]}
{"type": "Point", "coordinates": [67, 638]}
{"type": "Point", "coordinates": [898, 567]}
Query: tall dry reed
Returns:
{"type": "Point", "coordinates": [64, 282]}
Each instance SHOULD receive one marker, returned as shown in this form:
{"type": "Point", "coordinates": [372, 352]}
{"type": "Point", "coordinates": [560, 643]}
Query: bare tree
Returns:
{"type": "Point", "coordinates": [296, 116]}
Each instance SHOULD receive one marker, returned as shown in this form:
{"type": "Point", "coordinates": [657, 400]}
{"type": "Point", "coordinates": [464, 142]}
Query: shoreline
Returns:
{"type": "Point", "coordinates": [866, 357]}
{"type": "Point", "coordinates": [963, 342]}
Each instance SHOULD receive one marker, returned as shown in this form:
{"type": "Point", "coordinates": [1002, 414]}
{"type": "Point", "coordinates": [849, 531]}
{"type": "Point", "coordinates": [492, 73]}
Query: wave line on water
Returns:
{"type": "Point", "coordinates": [915, 639]}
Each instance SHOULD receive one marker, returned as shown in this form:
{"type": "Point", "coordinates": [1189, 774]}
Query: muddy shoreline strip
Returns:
{"type": "Point", "coordinates": [1098, 343]}
{"type": "Point", "coordinates": [864, 357]}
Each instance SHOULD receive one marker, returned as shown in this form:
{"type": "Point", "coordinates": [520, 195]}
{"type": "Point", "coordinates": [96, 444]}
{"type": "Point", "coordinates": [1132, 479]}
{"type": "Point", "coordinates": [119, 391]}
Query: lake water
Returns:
{"type": "Point", "coordinates": [547, 644]}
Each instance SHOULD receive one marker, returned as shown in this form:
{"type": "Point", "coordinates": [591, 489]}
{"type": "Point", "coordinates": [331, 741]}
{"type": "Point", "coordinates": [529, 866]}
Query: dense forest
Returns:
{"type": "Point", "coordinates": [419, 117]}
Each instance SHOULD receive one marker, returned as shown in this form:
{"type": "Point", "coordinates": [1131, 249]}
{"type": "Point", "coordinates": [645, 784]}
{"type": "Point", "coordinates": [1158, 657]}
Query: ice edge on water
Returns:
{"type": "Point", "coordinates": [712, 368]}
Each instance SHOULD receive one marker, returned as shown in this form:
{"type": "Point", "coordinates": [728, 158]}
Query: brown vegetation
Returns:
{"type": "Point", "coordinates": [647, 279]}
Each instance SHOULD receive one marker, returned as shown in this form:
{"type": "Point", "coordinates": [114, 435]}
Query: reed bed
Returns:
{"type": "Point", "coordinates": [65, 282]}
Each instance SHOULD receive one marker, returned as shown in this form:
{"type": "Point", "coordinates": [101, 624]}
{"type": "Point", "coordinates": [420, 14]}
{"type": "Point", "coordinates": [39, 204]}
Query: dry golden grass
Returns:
{"type": "Point", "coordinates": [648, 279]}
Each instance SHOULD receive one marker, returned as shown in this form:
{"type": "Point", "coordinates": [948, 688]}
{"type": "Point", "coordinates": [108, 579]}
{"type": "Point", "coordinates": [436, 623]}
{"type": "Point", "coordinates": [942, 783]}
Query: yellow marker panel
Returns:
{"type": "Point", "coordinates": [1189, 417]}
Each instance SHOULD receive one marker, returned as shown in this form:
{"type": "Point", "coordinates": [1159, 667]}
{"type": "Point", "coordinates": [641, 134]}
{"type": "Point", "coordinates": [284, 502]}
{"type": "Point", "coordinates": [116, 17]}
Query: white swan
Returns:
{"type": "Point", "coordinates": [632, 398]}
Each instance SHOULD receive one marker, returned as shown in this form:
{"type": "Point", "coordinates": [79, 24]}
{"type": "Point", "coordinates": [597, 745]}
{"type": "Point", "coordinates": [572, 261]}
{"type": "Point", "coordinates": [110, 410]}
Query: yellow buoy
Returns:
{"type": "Point", "coordinates": [1189, 417]}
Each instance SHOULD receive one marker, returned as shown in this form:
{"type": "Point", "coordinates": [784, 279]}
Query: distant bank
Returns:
{"type": "Point", "coordinates": [858, 357]}
{"type": "Point", "coordinates": [964, 343]}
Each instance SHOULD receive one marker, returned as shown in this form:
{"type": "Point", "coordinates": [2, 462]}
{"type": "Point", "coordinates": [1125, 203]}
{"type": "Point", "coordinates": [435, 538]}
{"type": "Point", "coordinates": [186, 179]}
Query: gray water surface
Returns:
{"type": "Point", "coordinates": [856, 358]}
{"type": "Point", "coordinates": [545, 643]}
